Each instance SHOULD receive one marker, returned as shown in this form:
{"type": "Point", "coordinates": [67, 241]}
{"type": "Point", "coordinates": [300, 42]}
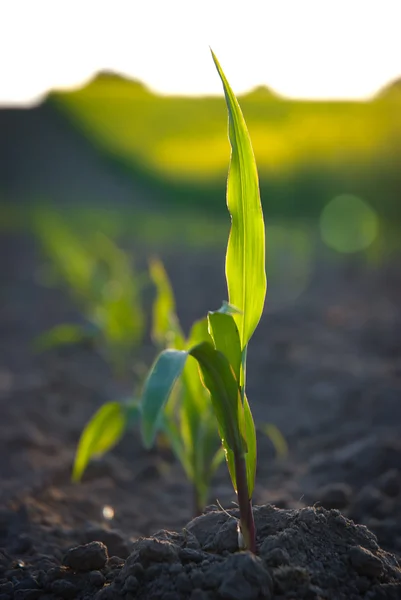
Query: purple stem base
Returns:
{"type": "Point", "coordinates": [245, 505]}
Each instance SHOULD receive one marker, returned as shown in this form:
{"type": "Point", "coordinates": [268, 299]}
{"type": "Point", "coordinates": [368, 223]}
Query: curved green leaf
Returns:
{"type": "Point", "coordinates": [157, 389]}
{"type": "Point", "coordinates": [132, 411]}
{"type": "Point", "coordinates": [194, 391]}
{"type": "Point", "coordinates": [164, 321]}
{"type": "Point", "coordinates": [116, 288]}
{"type": "Point", "coordinates": [218, 377]}
{"type": "Point", "coordinates": [103, 431]}
{"type": "Point", "coordinates": [199, 333]}
{"type": "Point", "coordinates": [224, 332]}
{"type": "Point", "coordinates": [63, 335]}
{"type": "Point", "coordinates": [245, 259]}
{"type": "Point", "coordinates": [173, 433]}
{"type": "Point", "coordinates": [276, 437]}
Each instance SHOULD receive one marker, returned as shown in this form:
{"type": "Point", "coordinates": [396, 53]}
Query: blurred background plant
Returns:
{"type": "Point", "coordinates": [102, 281]}
{"type": "Point", "coordinates": [188, 426]}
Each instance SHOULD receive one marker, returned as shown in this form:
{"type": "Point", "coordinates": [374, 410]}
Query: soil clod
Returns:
{"type": "Point", "coordinates": [86, 558]}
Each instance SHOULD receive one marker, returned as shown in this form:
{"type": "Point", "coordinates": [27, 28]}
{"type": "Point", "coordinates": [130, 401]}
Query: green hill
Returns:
{"type": "Point", "coordinates": [306, 151]}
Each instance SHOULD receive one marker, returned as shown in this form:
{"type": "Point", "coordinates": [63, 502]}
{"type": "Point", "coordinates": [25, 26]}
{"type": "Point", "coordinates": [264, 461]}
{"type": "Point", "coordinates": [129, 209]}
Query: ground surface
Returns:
{"type": "Point", "coordinates": [326, 370]}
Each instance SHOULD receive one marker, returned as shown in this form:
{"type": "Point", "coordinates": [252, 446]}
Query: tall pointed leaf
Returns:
{"type": "Point", "coordinates": [157, 389]}
{"type": "Point", "coordinates": [245, 259]}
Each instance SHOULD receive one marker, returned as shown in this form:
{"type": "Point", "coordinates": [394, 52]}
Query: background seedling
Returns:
{"type": "Point", "coordinates": [103, 283]}
{"type": "Point", "coordinates": [187, 423]}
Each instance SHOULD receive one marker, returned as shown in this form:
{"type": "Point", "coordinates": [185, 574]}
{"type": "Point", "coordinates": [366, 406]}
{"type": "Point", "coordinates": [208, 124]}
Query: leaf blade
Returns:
{"type": "Point", "coordinates": [225, 335]}
{"type": "Point", "coordinates": [245, 258]}
{"type": "Point", "coordinates": [219, 379]}
{"type": "Point", "coordinates": [102, 432]}
{"type": "Point", "coordinates": [164, 320]}
{"type": "Point", "coordinates": [158, 386]}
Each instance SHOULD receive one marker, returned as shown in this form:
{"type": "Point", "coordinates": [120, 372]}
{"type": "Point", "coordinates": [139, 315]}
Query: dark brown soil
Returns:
{"type": "Point", "coordinates": [326, 370]}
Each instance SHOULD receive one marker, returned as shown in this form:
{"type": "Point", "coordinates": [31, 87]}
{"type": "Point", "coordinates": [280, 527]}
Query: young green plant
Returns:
{"type": "Point", "coordinates": [187, 420]}
{"type": "Point", "coordinates": [187, 423]}
{"type": "Point", "coordinates": [101, 280]}
{"type": "Point", "coordinates": [222, 353]}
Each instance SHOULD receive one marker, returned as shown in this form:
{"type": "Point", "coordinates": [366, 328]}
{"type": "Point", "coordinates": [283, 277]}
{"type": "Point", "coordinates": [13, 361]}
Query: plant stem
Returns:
{"type": "Point", "coordinates": [245, 504]}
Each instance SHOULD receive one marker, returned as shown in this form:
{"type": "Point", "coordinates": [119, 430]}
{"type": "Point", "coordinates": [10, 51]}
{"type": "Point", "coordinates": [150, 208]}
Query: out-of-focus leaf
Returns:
{"type": "Point", "coordinates": [101, 278]}
{"type": "Point", "coordinates": [199, 333]}
{"type": "Point", "coordinates": [217, 459]}
{"type": "Point", "coordinates": [132, 411]}
{"type": "Point", "coordinates": [63, 335]}
{"type": "Point", "coordinates": [164, 321]}
{"type": "Point", "coordinates": [218, 377]}
{"type": "Point", "coordinates": [276, 438]}
{"type": "Point", "coordinates": [207, 444]}
{"type": "Point", "coordinates": [118, 309]}
{"type": "Point", "coordinates": [157, 389]}
{"type": "Point", "coordinates": [175, 438]}
{"type": "Point", "coordinates": [224, 332]}
{"type": "Point", "coordinates": [103, 431]}
{"type": "Point", "coordinates": [68, 254]}
{"type": "Point", "coordinates": [245, 259]}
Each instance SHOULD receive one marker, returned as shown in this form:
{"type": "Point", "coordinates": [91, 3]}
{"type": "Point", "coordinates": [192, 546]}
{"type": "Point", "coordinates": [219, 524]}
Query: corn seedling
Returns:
{"type": "Point", "coordinates": [188, 423]}
{"type": "Point", "coordinates": [100, 278]}
{"type": "Point", "coordinates": [211, 364]}
{"type": "Point", "coordinates": [221, 352]}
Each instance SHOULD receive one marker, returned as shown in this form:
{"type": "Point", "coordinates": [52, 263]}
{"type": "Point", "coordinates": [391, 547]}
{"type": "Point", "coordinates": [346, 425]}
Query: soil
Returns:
{"type": "Point", "coordinates": [325, 369]}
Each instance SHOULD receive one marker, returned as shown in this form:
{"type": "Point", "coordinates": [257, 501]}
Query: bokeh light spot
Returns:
{"type": "Point", "coordinates": [108, 512]}
{"type": "Point", "coordinates": [348, 224]}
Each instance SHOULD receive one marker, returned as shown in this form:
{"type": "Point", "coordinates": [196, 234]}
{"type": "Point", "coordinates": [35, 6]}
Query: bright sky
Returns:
{"type": "Point", "coordinates": [300, 48]}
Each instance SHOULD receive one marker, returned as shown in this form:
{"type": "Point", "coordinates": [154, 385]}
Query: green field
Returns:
{"type": "Point", "coordinates": [307, 152]}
